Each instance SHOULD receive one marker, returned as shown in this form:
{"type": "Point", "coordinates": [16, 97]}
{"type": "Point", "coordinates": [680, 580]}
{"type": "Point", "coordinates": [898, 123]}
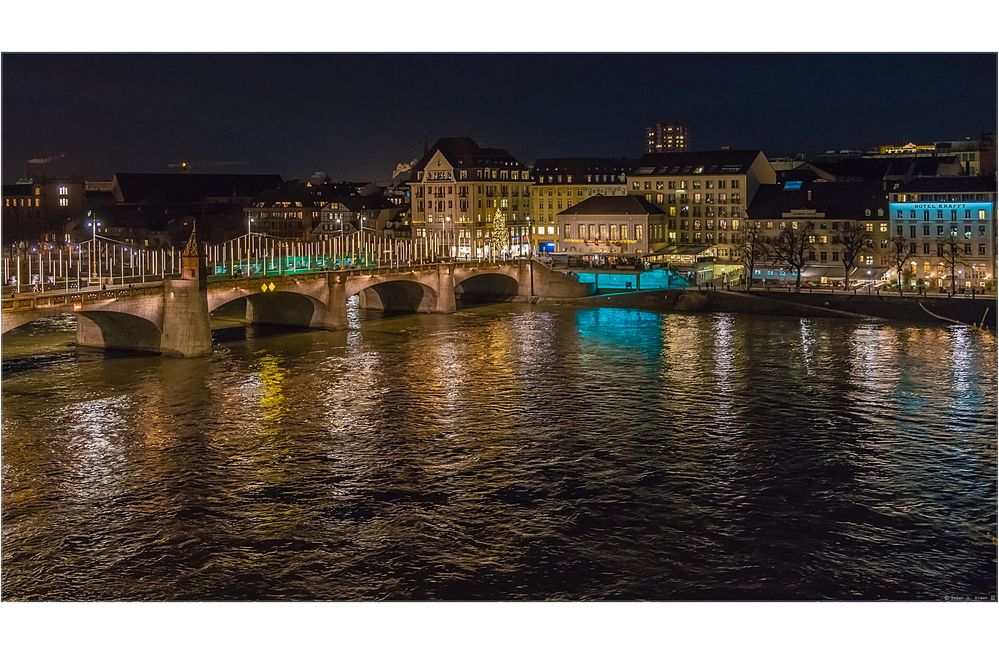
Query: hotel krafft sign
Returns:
{"type": "Point", "coordinates": [940, 205]}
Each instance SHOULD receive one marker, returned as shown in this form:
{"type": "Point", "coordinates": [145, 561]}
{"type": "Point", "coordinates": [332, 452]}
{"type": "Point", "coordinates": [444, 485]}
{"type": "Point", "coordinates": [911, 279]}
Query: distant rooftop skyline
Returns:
{"type": "Point", "coordinates": [356, 116]}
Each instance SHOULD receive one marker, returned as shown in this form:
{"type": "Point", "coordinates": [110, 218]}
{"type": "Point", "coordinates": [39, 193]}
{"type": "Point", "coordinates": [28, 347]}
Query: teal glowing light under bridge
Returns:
{"type": "Point", "coordinates": [649, 280]}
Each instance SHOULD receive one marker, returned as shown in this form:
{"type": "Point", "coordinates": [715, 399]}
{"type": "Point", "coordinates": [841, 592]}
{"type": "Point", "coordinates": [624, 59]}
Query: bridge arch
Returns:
{"type": "Point", "coordinates": [486, 286]}
{"type": "Point", "coordinates": [18, 319]}
{"type": "Point", "coordinates": [396, 296]}
{"type": "Point", "coordinates": [278, 307]}
{"type": "Point", "coordinates": [117, 330]}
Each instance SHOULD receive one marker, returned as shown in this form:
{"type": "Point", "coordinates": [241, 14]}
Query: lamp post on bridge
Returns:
{"type": "Point", "coordinates": [249, 242]}
{"type": "Point", "coordinates": [93, 244]}
{"type": "Point", "coordinates": [343, 245]}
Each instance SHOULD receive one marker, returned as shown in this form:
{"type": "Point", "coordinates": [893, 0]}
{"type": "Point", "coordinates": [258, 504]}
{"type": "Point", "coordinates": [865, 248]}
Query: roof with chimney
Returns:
{"type": "Point", "coordinates": [837, 200]}
{"type": "Point", "coordinates": [880, 168]}
{"type": "Point", "coordinates": [188, 187]}
{"type": "Point", "coordinates": [976, 184]}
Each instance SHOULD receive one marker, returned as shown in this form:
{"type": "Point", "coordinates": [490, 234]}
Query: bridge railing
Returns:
{"type": "Point", "coordinates": [102, 262]}
{"type": "Point", "coordinates": [30, 301]}
{"type": "Point", "coordinates": [350, 269]}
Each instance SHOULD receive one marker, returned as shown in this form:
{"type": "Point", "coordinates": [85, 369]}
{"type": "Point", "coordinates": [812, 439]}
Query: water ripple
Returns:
{"type": "Point", "coordinates": [507, 452]}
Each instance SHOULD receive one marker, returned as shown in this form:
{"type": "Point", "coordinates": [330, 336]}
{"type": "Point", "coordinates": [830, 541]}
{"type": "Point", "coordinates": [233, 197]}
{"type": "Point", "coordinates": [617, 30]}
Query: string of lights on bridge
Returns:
{"type": "Point", "coordinates": [101, 263]}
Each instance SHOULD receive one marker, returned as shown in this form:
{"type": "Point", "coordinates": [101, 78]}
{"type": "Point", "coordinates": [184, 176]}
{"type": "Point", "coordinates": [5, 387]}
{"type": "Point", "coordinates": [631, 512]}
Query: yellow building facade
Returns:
{"type": "Point", "coordinates": [475, 200]}
{"type": "Point", "coordinates": [560, 184]}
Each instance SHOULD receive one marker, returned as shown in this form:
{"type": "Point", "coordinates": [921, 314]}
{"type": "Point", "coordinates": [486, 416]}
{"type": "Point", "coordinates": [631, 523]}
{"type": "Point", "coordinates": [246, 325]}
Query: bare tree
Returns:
{"type": "Point", "coordinates": [753, 249]}
{"type": "Point", "coordinates": [790, 249]}
{"type": "Point", "coordinates": [901, 252]}
{"type": "Point", "coordinates": [952, 252]}
{"type": "Point", "coordinates": [852, 239]}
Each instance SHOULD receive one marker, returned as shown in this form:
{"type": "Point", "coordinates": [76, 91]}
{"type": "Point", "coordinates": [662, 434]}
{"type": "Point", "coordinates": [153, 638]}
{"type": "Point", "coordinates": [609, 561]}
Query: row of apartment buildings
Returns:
{"type": "Point", "coordinates": [694, 207]}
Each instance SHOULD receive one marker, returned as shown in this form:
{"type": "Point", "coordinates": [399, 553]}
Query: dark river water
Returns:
{"type": "Point", "coordinates": [506, 452]}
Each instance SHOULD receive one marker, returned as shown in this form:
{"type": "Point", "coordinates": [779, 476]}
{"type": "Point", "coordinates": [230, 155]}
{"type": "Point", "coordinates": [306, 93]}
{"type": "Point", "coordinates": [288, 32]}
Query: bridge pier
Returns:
{"type": "Point", "coordinates": [445, 289]}
{"type": "Point", "coordinates": [172, 322]}
{"type": "Point", "coordinates": [335, 316]}
{"type": "Point", "coordinates": [186, 330]}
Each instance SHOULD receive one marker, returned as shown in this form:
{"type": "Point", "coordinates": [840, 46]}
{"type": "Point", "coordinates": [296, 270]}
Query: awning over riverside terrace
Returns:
{"type": "Point", "coordinates": [681, 256]}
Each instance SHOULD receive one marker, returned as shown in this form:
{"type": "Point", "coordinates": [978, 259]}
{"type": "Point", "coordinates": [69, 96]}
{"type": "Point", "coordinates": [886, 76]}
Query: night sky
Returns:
{"type": "Point", "coordinates": [356, 116]}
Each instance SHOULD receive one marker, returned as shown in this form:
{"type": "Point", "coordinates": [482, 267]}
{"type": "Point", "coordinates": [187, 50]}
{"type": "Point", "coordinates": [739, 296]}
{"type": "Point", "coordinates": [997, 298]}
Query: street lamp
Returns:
{"type": "Point", "coordinates": [343, 245]}
{"type": "Point", "coordinates": [530, 239]}
{"type": "Point", "coordinates": [93, 244]}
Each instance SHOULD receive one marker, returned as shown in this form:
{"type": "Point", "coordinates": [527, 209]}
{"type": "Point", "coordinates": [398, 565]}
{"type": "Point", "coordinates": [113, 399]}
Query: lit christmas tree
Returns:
{"type": "Point", "coordinates": [501, 237]}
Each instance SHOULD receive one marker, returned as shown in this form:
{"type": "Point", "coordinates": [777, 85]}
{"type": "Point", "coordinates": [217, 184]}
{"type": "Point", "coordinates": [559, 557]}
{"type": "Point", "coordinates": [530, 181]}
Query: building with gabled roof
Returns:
{"type": "Point", "coordinates": [559, 183]}
{"type": "Point", "coordinates": [608, 226]}
{"type": "Point", "coordinates": [473, 199]}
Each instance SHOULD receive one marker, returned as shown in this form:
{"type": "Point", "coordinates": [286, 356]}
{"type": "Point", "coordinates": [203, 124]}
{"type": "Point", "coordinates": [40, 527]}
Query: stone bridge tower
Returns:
{"type": "Point", "coordinates": [186, 330]}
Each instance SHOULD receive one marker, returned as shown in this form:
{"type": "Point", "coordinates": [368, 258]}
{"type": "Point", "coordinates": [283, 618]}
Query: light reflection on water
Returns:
{"type": "Point", "coordinates": [507, 452]}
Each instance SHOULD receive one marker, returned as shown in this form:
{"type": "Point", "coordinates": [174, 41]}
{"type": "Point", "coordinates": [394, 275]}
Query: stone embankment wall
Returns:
{"type": "Point", "coordinates": [885, 307]}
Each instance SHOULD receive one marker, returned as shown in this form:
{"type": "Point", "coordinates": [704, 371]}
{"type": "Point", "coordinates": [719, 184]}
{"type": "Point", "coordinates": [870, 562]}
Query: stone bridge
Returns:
{"type": "Point", "coordinates": [173, 316]}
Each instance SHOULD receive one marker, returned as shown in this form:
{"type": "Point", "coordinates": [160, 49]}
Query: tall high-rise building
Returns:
{"type": "Point", "coordinates": [667, 136]}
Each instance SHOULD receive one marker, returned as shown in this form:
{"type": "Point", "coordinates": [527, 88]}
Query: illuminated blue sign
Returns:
{"type": "Point", "coordinates": [792, 185]}
{"type": "Point", "coordinates": [940, 210]}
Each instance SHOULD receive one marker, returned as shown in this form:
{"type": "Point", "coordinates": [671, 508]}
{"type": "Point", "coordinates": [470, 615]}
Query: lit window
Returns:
{"type": "Point", "coordinates": [63, 202]}
{"type": "Point", "coordinates": [63, 190]}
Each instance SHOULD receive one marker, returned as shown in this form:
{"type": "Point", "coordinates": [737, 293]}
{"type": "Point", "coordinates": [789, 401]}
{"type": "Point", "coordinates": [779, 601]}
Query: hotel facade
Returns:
{"type": "Point", "coordinates": [929, 211]}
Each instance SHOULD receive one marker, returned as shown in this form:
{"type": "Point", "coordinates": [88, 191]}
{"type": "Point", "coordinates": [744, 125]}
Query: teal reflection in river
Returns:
{"type": "Point", "coordinates": [633, 329]}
